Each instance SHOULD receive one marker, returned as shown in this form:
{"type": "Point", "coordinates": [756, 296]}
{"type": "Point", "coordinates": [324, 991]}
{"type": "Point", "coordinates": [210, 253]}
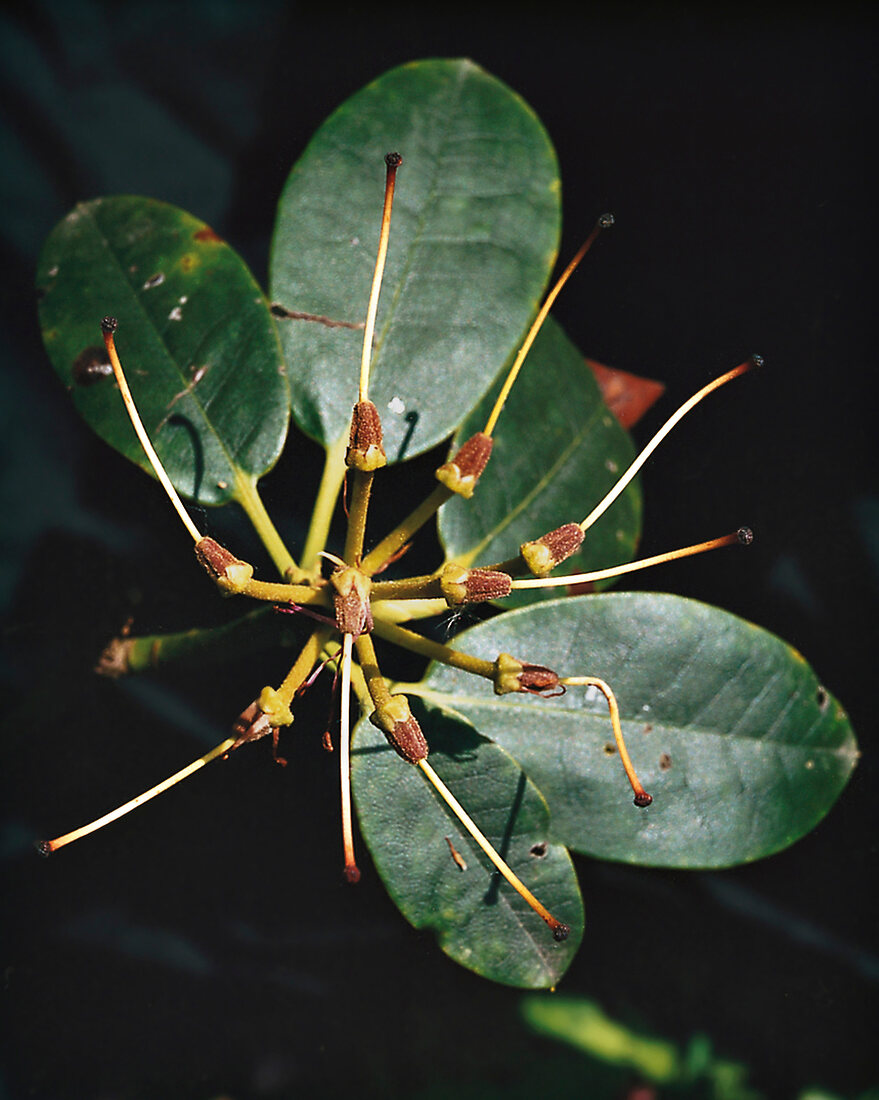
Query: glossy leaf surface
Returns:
{"type": "Point", "coordinates": [557, 451]}
{"type": "Point", "coordinates": [728, 727]}
{"type": "Point", "coordinates": [196, 340]}
{"type": "Point", "coordinates": [479, 920]}
{"type": "Point", "coordinates": [473, 238]}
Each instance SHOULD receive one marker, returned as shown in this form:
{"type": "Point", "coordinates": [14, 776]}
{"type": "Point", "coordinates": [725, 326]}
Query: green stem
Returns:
{"type": "Point", "coordinates": [258, 630]}
{"type": "Point", "coordinates": [303, 664]}
{"type": "Point", "coordinates": [248, 497]}
{"type": "Point", "coordinates": [360, 490]}
{"type": "Point", "coordinates": [434, 651]}
{"type": "Point", "coordinates": [397, 539]}
{"type": "Point", "coordinates": [325, 504]}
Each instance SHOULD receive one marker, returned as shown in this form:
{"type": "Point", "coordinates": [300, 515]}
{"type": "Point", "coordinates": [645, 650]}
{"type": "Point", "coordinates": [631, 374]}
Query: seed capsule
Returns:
{"type": "Point", "coordinates": [544, 554]}
{"type": "Point", "coordinates": [230, 573]}
{"type": "Point", "coordinates": [461, 473]}
{"type": "Point", "coordinates": [365, 445]}
{"type": "Point", "coordinates": [403, 733]}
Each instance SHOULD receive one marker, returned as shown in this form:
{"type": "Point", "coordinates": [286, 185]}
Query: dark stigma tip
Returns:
{"type": "Point", "coordinates": [606, 221]}
{"type": "Point", "coordinates": [44, 847]}
{"type": "Point", "coordinates": [642, 800]}
{"type": "Point", "coordinates": [393, 160]}
{"type": "Point", "coordinates": [745, 536]}
{"type": "Point", "coordinates": [109, 324]}
{"type": "Point", "coordinates": [757, 360]}
{"type": "Point", "coordinates": [561, 932]}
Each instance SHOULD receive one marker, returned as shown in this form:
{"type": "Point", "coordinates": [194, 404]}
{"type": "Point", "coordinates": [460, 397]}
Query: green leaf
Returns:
{"type": "Point", "coordinates": [557, 451]}
{"type": "Point", "coordinates": [196, 339]}
{"type": "Point", "coordinates": [473, 238]}
{"type": "Point", "coordinates": [729, 729]}
{"type": "Point", "coordinates": [479, 920]}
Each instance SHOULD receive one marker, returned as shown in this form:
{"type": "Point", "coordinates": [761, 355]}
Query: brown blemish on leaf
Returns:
{"type": "Point", "coordinates": [460, 862]}
{"type": "Point", "coordinates": [539, 850]}
{"type": "Point", "coordinates": [664, 761]}
{"type": "Point", "coordinates": [207, 234]}
{"type": "Point", "coordinates": [609, 748]}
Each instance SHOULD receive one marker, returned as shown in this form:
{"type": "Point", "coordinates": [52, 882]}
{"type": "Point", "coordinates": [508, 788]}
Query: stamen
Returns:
{"type": "Point", "coordinates": [393, 162]}
{"type": "Point", "coordinates": [559, 931]}
{"type": "Point", "coordinates": [642, 798]}
{"type": "Point", "coordinates": [351, 871]}
{"type": "Point", "coordinates": [108, 327]}
{"type": "Point", "coordinates": [44, 847]}
{"type": "Point", "coordinates": [604, 222]}
{"type": "Point", "coordinates": [744, 537]}
{"type": "Point", "coordinates": [603, 505]}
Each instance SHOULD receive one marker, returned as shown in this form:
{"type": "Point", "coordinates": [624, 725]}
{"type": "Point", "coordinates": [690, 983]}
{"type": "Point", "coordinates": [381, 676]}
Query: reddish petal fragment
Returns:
{"type": "Point", "coordinates": [628, 396]}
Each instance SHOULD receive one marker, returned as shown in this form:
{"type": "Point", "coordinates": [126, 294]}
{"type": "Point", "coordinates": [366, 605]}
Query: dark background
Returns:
{"type": "Point", "coordinates": [205, 946]}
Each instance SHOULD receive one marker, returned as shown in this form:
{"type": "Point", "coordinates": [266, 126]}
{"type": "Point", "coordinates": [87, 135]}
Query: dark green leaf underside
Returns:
{"type": "Point", "coordinates": [473, 239]}
{"type": "Point", "coordinates": [728, 727]}
{"type": "Point", "coordinates": [195, 337]}
{"type": "Point", "coordinates": [557, 451]}
{"type": "Point", "coordinates": [480, 921]}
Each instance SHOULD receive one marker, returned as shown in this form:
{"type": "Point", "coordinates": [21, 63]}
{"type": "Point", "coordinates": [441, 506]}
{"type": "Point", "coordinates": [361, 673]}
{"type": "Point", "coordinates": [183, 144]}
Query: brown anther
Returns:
{"type": "Point", "coordinates": [230, 573]}
{"type": "Point", "coordinates": [351, 601]}
{"type": "Point", "coordinates": [461, 473]}
{"type": "Point", "coordinates": [365, 444]}
{"type": "Point", "coordinates": [512, 675]}
{"type": "Point", "coordinates": [403, 733]}
{"type": "Point", "coordinates": [643, 799]}
{"type": "Point", "coordinates": [561, 932]}
{"type": "Point", "coordinates": [544, 554]}
{"type": "Point", "coordinates": [459, 585]}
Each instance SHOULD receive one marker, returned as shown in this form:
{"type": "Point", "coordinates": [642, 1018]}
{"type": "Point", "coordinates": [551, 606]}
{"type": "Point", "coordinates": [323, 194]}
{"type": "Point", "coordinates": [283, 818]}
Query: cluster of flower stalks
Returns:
{"type": "Point", "coordinates": [349, 606]}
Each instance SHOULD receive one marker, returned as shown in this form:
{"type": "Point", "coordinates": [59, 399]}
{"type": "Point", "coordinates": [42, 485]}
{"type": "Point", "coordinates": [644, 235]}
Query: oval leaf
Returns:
{"type": "Point", "coordinates": [479, 920]}
{"type": "Point", "coordinates": [474, 236]}
{"type": "Point", "coordinates": [557, 451]}
{"type": "Point", "coordinates": [729, 729]}
{"type": "Point", "coordinates": [196, 339]}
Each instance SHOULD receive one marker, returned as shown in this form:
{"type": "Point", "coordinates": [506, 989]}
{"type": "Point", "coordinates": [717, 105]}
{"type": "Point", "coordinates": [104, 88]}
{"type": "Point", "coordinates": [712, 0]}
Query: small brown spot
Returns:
{"type": "Point", "coordinates": [90, 366]}
{"type": "Point", "coordinates": [609, 748]}
{"type": "Point", "coordinates": [664, 761]}
{"type": "Point", "coordinates": [460, 862]}
{"type": "Point", "coordinates": [539, 850]}
{"type": "Point", "coordinates": [207, 234]}
{"type": "Point", "coordinates": [187, 262]}
{"type": "Point", "coordinates": [647, 727]}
